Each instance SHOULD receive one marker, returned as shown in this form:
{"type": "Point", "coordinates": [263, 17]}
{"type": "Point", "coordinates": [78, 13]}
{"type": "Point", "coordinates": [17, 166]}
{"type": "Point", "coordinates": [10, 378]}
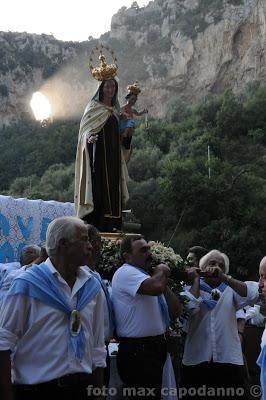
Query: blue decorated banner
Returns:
{"type": "Point", "coordinates": [24, 222]}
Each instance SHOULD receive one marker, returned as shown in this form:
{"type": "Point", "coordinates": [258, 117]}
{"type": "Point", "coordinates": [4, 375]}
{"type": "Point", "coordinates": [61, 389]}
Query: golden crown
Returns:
{"type": "Point", "coordinates": [104, 71]}
{"type": "Point", "coordinates": [134, 88]}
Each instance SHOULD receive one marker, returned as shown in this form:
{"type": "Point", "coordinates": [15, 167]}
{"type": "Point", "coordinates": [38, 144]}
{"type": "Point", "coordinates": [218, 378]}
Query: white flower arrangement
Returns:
{"type": "Point", "coordinates": [111, 259]}
{"type": "Point", "coordinates": [163, 254]}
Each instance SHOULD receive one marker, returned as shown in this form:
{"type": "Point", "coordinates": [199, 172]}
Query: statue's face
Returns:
{"type": "Point", "coordinates": [109, 89]}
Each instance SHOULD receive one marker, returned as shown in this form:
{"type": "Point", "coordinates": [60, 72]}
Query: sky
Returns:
{"type": "Point", "coordinates": [66, 19]}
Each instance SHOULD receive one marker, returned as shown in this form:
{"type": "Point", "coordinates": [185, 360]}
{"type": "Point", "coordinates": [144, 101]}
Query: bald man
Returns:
{"type": "Point", "coordinates": [262, 273]}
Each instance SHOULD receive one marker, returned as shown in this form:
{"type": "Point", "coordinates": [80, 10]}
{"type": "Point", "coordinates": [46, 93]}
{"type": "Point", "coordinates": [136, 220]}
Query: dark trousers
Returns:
{"type": "Point", "coordinates": [69, 387]}
{"type": "Point", "coordinates": [140, 365]}
{"type": "Point", "coordinates": [107, 369]}
{"type": "Point", "coordinates": [68, 393]}
{"type": "Point", "coordinates": [212, 381]}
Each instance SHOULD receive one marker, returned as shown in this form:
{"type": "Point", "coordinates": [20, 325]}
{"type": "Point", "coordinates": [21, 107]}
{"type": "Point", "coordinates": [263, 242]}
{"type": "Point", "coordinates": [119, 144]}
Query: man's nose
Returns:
{"type": "Point", "coordinates": [217, 265]}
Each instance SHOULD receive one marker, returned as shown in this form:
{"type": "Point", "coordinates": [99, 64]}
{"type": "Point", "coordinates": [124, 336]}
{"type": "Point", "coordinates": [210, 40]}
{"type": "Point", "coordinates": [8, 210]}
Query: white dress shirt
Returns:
{"type": "Point", "coordinates": [37, 334]}
{"type": "Point", "coordinates": [254, 316]}
{"type": "Point", "coordinates": [213, 334]}
{"type": "Point", "coordinates": [136, 315]}
{"type": "Point", "coordinates": [8, 280]}
{"type": "Point", "coordinates": [6, 268]}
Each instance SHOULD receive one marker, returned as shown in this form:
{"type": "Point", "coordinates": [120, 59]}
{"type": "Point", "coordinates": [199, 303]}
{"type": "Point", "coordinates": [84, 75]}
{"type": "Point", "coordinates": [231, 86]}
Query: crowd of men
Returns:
{"type": "Point", "coordinates": [57, 317]}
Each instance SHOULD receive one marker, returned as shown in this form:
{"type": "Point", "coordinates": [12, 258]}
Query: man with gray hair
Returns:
{"type": "Point", "coordinates": [52, 321]}
{"type": "Point", "coordinates": [213, 356]}
{"type": "Point", "coordinates": [29, 254]}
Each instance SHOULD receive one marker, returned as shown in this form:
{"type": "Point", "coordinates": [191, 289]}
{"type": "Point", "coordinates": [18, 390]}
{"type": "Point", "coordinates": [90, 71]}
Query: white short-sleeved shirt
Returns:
{"type": "Point", "coordinates": [136, 315]}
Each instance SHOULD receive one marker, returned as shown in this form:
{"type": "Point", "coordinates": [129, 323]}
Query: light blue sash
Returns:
{"type": "Point", "coordinates": [39, 282]}
{"type": "Point", "coordinates": [208, 289]}
{"type": "Point", "coordinates": [261, 361]}
{"type": "Point", "coordinates": [108, 300]}
{"type": "Point", "coordinates": [162, 303]}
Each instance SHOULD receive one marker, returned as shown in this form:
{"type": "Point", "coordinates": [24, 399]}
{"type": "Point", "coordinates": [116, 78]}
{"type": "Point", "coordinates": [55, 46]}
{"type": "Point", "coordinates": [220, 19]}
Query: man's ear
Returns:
{"type": "Point", "coordinates": [63, 242]}
{"type": "Point", "coordinates": [126, 256]}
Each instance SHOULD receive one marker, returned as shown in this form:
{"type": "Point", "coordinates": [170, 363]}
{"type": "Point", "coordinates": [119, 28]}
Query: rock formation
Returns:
{"type": "Point", "coordinates": [175, 48]}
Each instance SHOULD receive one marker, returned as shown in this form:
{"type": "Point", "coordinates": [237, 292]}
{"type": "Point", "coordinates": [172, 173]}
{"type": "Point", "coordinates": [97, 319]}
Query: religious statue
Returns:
{"type": "Point", "coordinates": [127, 122]}
{"type": "Point", "coordinates": [100, 170]}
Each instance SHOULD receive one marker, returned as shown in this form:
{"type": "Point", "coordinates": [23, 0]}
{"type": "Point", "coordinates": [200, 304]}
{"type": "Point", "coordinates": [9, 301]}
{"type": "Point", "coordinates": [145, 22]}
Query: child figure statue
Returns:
{"type": "Point", "coordinates": [127, 122]}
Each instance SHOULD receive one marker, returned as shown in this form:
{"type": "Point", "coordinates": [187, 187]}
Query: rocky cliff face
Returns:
{"type": "Point", "coordinates": [31, 62]}
{"type": "Point", "coordinates": [175, 48]}
{"type": "Point", "coordinates": [206, 46]}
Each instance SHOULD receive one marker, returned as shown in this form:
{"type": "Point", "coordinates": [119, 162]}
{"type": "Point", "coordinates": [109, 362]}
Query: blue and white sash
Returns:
{"type": "Point", "coordinates": [108, 300]}
{"type": "Point", "coordinates": [162, 303]}
{"type": "Point", "coordinates": [40, 283]}
{"type": "Point", "coordinates": [261, 361]}
{"type": "Point", "coordinates": [211, 303]}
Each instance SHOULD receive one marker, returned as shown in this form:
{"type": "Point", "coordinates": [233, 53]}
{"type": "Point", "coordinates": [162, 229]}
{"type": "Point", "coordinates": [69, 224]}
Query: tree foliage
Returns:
{"type": "Point", "coordinates": [28, 148]}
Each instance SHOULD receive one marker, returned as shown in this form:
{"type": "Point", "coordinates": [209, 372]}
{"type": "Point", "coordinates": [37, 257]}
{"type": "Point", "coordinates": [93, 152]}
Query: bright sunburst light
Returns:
{"type": "Point", "coordinates": [41, 106]}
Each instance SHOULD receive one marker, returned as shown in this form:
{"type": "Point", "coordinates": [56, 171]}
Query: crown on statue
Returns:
{"type": "Point", "coordinates": [104, 71]}
{"type": "Point", "coordinates": [134, 88]}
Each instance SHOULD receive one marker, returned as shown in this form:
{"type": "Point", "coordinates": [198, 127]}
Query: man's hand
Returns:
{"type": "Point", "coordinates": [163, 268]}
{"type": "Point", "coordinates": [193, 273]}
{"type": "Point", "coordinates": [157, 283]}
{"type": "Point", "coordinates": [194, 276]}
{"type": "Point", "coordinates": [216, 272]}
